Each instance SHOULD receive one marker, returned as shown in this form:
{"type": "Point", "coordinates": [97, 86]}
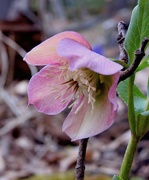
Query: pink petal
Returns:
{"type": "Point", "coordinates": [41, 93]}
{"type": "Point", "coordinates": [45, 53]}
{"type": "Point", "coordinates": [111, 83]}
{"type": "Point", "coordinates": [79, 56]}
{"type": "Point", "coordinates": [86, 123]}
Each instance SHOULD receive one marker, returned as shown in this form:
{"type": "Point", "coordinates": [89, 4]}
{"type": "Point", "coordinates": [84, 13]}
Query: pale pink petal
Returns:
{"type": "Point", "coordinates": [112, 85]}
{"type": "Point", "coordinates": [45, 53]}
{"type": "Point", "coordinates": [47, 92]}
{"type": "Point", "coordinates": [79, 56]}
{"type": "Point", "coordinates": [86, 123]}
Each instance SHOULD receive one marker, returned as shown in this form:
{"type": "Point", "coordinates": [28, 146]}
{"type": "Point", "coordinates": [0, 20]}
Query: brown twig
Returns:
{"type": "Point", "coordinates": [122, 28]}
{"type": "Point", "coordinates": [80, 165]}
{"type": "Point", "coordinates": [139, 54]}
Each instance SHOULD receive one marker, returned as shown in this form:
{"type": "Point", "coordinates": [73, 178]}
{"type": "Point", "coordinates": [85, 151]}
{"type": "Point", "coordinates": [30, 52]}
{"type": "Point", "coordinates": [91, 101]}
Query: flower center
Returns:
{"type": "Point", "coordinates": [85, 82]}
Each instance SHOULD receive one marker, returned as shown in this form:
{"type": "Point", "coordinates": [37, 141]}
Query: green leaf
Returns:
{"type": "Point", "coordinates": [140, 104]}
{"type": "Point", "coordinates": [136, 178]}
{"type": "Point", "coordinates": [122, 91]}
{"type": "Point", "coordinates": [115, 177]}
{"type": "Point", "coordinates": [140, 100]}
{"type": "Point", "coordinates": [144, 63]}
{"type": "Point", "coordinates": [142, 123]}
{"type": "Point", "coordinates": [138, 28]}
{"type": "Point", "coordinates": [148, 89]}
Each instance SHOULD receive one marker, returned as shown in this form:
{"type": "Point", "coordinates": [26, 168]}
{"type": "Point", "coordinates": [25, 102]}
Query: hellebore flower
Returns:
{"type": "Point", "coordinates": [77, 77]}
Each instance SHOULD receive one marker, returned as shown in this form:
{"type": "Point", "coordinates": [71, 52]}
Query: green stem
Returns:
{"type": "Point", "coordinates": [134, 140]}
{"type": "Point", "coordinates": [128, 157]}
{"type": "Point", "coordinates": [131, 109]}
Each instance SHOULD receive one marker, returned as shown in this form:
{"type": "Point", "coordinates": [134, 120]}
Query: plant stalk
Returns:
{"type": "Point", "coordinates": [128, 157]}
{"type": "Point", "coordinates": [80, 165]}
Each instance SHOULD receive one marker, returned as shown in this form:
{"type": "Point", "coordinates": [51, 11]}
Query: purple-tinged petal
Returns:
{"type": "Point", "coordinates": [86, 122]}
{"type": "Point", "coordinates": [45, 53]}
{"type": "Point", "coordinates": [47, 92]}
{"type": "Point", "coordinates": [79, 57]}
{"type": "Point", "coordinates": [112, 85]}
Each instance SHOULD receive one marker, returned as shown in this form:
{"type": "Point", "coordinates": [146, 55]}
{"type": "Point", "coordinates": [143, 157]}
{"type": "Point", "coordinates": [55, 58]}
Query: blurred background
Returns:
{"type": "Point", "coordinates": [32, 145]}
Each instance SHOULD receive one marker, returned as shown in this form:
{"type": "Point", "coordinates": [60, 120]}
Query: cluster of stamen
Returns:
{"type": "Point", "coordinates": [82, 81]}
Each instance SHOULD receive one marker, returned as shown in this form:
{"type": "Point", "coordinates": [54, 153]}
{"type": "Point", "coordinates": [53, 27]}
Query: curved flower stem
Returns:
{"type": "Point", "coordinates": [131, 108]}
{"type": "Point", "coordinates": [134, 140]}
{"type": "Point", "coordinates": [80, 165]}
{"type": "Point", "coordinates": [128, 157]}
